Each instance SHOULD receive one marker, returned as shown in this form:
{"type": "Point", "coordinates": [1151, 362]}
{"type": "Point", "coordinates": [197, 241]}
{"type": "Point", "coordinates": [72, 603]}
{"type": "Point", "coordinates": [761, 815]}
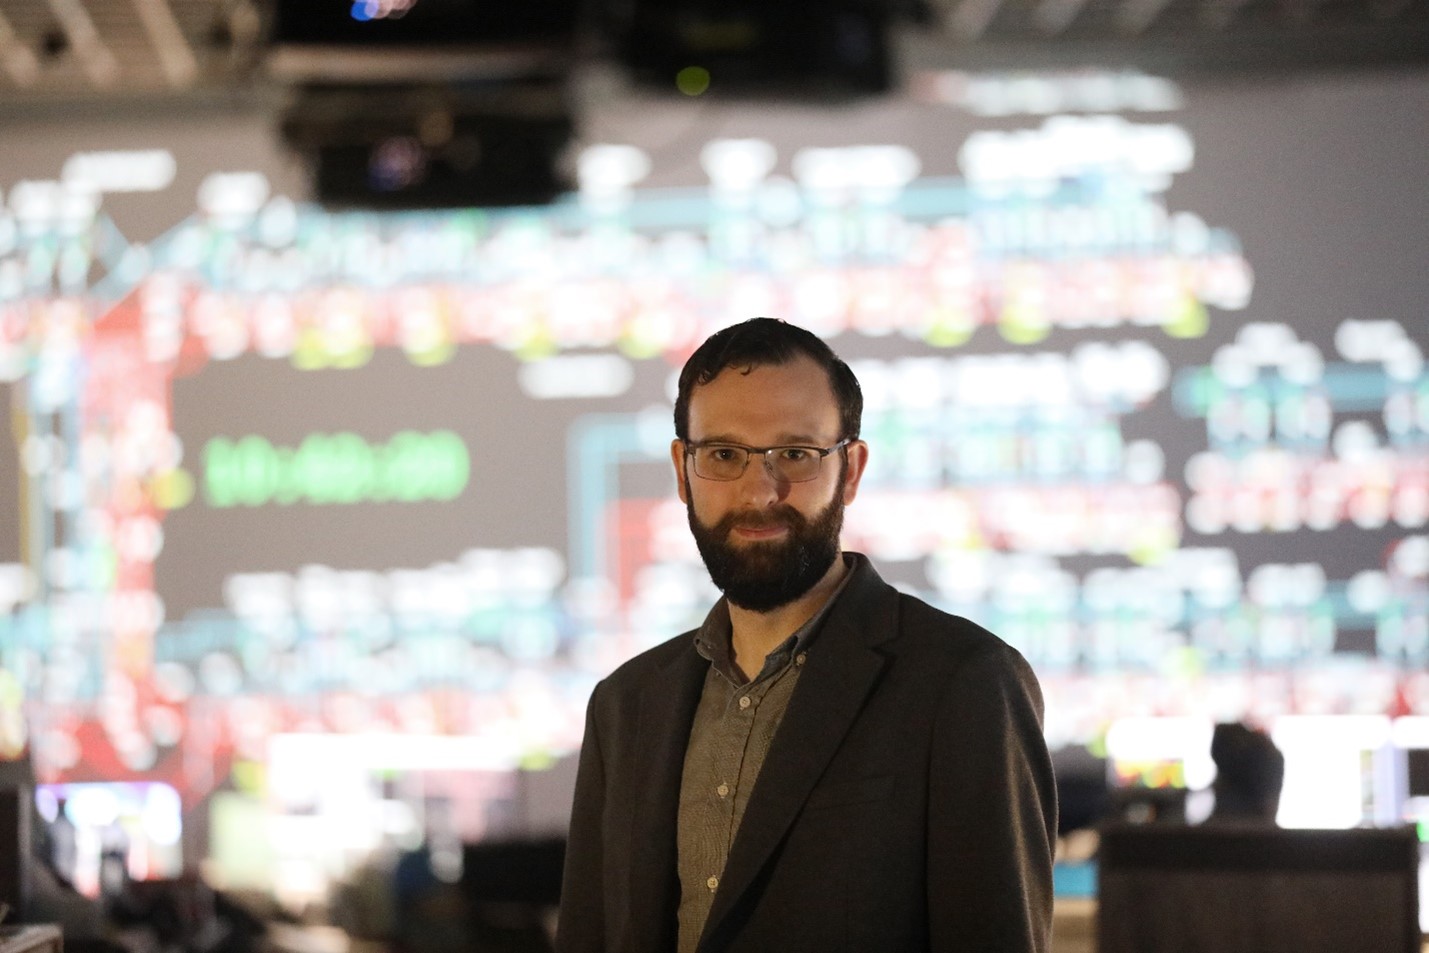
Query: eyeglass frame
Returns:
{"type": "Point", "coordinates": [763, 452]}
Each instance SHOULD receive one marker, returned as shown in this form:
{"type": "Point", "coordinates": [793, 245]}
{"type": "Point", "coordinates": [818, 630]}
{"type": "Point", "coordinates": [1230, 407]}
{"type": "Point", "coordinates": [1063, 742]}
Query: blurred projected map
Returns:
{"type": "Point", "coordinates": [289, 471]}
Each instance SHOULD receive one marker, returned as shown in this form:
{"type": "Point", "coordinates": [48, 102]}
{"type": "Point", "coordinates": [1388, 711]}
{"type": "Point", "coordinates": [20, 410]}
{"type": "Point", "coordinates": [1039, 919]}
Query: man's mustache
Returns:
{"type": "Point", "coordinates": [784, 516]}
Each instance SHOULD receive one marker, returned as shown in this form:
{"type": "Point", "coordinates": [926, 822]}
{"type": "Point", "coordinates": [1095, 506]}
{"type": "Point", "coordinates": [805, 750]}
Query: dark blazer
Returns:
{"type": "Point", "coordinates": [906, 803]}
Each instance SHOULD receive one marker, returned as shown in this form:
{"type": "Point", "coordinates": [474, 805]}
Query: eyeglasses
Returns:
{"type": "Point", "coordinates": [728, 461]}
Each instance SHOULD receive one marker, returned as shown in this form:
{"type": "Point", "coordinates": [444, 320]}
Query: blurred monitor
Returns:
{"type": "Point", "coordinates": [393, 41]}
{"type": "Point", "coordinates": [785, 47]}
{"type": "Point", "coordinates": [1417, 771]}
{"type": "Point", "coordinates": [1402, 773]}
{"type": "Point", "coordinates": [1257, 890]}
{"type": "Point", "coordinates": [102, 833]}
{"type": "Point", "coordinates": [1160, 752]}
{"type": "Point", "coordinates": [1329, 769]}
{"type": "Point", "coordinates": [1147, 772]}
{"type": "Point", "coordinates": [421, 22]}
{"type": "Point", "coordinates": [1154, 764]}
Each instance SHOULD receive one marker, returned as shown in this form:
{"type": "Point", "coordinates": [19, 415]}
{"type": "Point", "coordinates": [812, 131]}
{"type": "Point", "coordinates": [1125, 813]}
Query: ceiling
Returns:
{"type": "Point", "coordinates": [90, 50]}
{"type": "Point", "coordinates": [102, 48]}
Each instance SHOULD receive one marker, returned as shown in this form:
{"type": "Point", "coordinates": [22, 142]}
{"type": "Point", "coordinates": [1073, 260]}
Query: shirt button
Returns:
{"type": "Point", "coordinates": [744, 701]}
{"type": "Point", "coordinates": [799, 659]}
{"type": "Point", "coordinates": [722, 790]}
{"type": "Point", "coordinates": [712, 883]}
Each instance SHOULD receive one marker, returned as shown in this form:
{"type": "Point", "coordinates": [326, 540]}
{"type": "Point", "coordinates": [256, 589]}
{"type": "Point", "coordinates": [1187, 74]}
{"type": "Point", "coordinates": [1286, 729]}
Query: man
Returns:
{"type": "Point", "coordinates": [826, 764]}
{"type": "Point", "coordinates": [1250, 772]}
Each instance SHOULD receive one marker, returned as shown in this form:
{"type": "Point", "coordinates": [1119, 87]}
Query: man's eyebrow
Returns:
{"type": "Point", "coordinates": [784, 440]}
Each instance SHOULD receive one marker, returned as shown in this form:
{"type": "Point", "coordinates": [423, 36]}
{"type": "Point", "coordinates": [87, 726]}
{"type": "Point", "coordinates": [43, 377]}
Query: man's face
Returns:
{"type": "Point", "coordinates": [767, 541]}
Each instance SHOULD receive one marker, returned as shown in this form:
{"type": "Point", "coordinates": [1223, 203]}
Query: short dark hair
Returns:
{"type": "Point", "coordinates": [761, 342]}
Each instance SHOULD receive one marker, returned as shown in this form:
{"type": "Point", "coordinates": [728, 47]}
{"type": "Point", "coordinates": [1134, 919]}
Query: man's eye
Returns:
{"type": "Point", "coordinates": [794, 454]}
{"type": "Point", "coordinates": [723, 454]}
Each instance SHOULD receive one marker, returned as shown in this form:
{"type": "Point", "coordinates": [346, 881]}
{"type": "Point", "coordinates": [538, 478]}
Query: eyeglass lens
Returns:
{"type": "Point", "coordinates": [794, 464]}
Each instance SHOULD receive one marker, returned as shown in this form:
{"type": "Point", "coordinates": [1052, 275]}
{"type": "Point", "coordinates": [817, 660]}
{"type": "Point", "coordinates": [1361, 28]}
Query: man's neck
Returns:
{"type": "Point", "coordinates": [755, 634]}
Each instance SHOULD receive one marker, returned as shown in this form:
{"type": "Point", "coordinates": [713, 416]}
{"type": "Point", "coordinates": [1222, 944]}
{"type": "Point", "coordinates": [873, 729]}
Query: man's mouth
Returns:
{"type": "Point", "coordinates": [760, 529]}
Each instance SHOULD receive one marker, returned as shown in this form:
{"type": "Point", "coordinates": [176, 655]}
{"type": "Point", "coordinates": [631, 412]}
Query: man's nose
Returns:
{"type": "Point", "coordinates": [763, 481]}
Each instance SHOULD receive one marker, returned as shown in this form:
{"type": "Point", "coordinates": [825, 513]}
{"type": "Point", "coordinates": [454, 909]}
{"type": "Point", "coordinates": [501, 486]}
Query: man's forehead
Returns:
{"type": "Point", "coordinates": [790, 402]}
{"type": "Point", "coordinates": [801, 371]}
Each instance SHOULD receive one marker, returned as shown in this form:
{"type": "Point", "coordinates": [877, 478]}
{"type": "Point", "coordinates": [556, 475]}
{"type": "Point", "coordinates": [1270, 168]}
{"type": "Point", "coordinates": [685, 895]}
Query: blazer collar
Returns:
{"type": "Point", "coordinates": [839, 674]}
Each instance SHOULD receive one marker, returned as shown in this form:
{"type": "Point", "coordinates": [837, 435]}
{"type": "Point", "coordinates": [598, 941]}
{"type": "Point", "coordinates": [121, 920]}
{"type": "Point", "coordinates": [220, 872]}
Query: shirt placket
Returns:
{"type": "Point", "coordinates": [741, 718]}
{"type": "Point", "coordinates": [747, 709]}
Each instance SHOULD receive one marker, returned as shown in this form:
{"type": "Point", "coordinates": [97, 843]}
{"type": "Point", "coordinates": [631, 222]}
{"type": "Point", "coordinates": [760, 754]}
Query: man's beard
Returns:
{"type": "Point", "coordinates": [763, 576]}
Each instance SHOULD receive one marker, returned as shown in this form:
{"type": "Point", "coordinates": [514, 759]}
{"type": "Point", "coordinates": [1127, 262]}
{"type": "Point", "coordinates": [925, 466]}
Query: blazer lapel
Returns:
{"type": "Point", "coordinates": [842, 668]}
{"type": "Point", "coordinates": [667, 709]}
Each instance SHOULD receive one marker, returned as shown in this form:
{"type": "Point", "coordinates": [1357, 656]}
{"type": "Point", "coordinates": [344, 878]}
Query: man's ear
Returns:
{"type": "Point", "coordinates": [677, 459]}
{"type": "Point", "coordinates": [857, 452]}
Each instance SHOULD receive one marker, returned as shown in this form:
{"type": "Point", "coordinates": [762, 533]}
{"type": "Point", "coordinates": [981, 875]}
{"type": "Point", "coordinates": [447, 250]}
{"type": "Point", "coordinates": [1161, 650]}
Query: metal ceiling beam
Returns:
{"type": "Point", "coordinates": [176, 59]}
{"type": "Point", "coordinates": [972, 17]}
{"type": "Point", "coordinates": [1134, 16]}
{"type": "Point", "coordinates": [245, 23]}
{"type": "Point", "coordinates": [1054, 16]}
{"type": "Point", "coordinates": [1220, 13]}
{"type": "Point", "coordinates": [98, 63]}
{"type": "Point", "coordinates": [20, 63]}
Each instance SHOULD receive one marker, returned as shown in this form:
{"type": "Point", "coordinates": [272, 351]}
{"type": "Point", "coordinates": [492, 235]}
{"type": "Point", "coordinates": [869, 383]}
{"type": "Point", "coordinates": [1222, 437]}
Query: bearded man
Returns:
{"type": "Point", "coordinates": [826, 764]}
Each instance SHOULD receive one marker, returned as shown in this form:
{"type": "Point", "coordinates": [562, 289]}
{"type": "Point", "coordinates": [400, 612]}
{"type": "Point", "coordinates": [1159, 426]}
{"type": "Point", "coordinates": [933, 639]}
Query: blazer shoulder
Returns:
{"type": "Point", "coordinates": [635, 672]}
{"type": "Point", "coordinates": [891, 617]}
{"type": "Point", "coordinates": [952, 637]}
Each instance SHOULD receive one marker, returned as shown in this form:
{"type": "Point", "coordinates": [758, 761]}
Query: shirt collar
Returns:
{"type": "Point", "coordinates": [713, 637]}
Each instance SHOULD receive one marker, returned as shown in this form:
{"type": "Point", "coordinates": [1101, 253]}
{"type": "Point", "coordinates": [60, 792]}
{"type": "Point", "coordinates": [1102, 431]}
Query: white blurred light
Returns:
{"type": "Point", "coordinates": [1323, 785]}
{"type": "Point", "coordinates": [778, 202]}
{"type": "Point", "coordinates": [36, 201]}
{"type": "Point", "coordinates": [577, 376]}
{"type": "Point", "coordinates": [1068, 146]}
{"type": "Point", "coordinates": [1411, 507]}
{"type": "Point", "coordinates": [883, 170]}
{"type": "Point", "coordinates": [1234, 365]}
{"type": "Point", "coordinates": [17, 585]}
{"type": "Point", "coordinates": [1302, 363]}
{"type": "Point", "coordinates": [604, 167]}
{"type": "Point", "coordinates": [1144, 462]}
{"type": "Point", "coordinates": [135, 170]}
{"type": "Point", "coordinates": [1368, 591]}
{"type": "Point", "coordinates": [92, 805]}
{"type": "Point", "coordinates": [1403, 361]}
{"type": "Point", "coordinates": [1411, 557]}
{"type": "Point", "coordinates": [1189, 233]}
{"type": "Point", "coordinates": [1411, 731]}
{"type": "Point", "coordinates": [1183, 739]}
{"type": "Point", "coordinates": [1362, 341]}
{"type": "Point", "coordinates": [822, 170]}
{"type": "Point", "coordinates": [278, 222]}
{"type": "Point", "coordinates": [47, 804]}
{"type": "Point", "coordinates": [1266, 341]}
{"type": "Point", "coordinates": [163, 814]}
{"type": "Point", "coordinates": [174, 682]}
{"type": "Point", "coordinates": [737, 165]}
{"type": "Point", "coordinates": [233, 194]}
{"type": "Point", "coordinates": [1354, 441]}
{"type": "Point", "coordinates": [220, 674]}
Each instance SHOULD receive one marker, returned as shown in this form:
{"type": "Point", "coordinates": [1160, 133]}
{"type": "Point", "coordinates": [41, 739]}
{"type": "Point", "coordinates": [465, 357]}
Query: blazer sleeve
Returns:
{"type": "Point", "coordinates": [580, 926]}
{"type": "Point", "coordinates": [992, 821]}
